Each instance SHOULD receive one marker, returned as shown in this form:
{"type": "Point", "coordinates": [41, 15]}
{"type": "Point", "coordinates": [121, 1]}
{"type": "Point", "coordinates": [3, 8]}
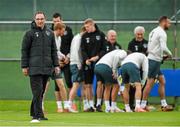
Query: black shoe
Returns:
{"type": "Point", "coordinates": [98, 108]}
{"type": "Point", "coordinates": [91, 109]}
{"type": "Point", "coordinates": [42, 118]}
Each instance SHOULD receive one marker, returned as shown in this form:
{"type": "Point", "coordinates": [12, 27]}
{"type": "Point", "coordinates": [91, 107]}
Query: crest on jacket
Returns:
{"type": "Point", "coordinates": [87, 40]}
{"type": "Point", "coordinates": [98, 37]}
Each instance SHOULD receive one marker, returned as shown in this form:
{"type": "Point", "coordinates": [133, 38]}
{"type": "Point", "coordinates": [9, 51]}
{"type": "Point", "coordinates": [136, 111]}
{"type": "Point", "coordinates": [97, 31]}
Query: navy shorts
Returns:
{"type": "Point", "coordinates": [76, 74]}
{"type": "Point", "coordinates": [130, 73]}
{"type": "Point", "coordinates": [104, 73]}
{"type": "Point", "coordinates": [154, 69]}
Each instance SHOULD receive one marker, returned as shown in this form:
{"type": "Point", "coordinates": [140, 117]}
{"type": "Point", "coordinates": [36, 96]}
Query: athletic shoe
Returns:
{"type": "Point", "coordinates": [70, 109]}
{"type": "Point", "coordinates": [59, 110]}
{"type": "Point", "coordinates": [91, 109]}
{"type": "Point", "coordinates": [139, 110]}
{"type": "Point", "coordinates": [98, 108]}
{"type": "Point", "coordinates": [116, 109]}
{"type": "Point", "coordinates": [107, 110]}
{"type": "Point", "coordinates": [42, 118]}
{"type": "Point", "coordinates": [66, 110]}
{"type": "Point", "coordinates": [34, 121]}
{"type": "Point", "coordinates": [167, 108]}
{"type": "Point", "coordinates": [129, 110]}
{"type": "Point", "coordinates": [146, 109]}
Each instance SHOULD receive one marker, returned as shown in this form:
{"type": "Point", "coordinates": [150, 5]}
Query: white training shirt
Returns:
{"type": "Point", "coordinates": [157, 46]}
{"type": "Point", "coordinates": [58, 45]}
{"type": "Point", "coordinates": [75, 51]}
{"type": "Point", "coordinates": [140, 60]}
{"type": "Point", "coordinates": [113, 59]}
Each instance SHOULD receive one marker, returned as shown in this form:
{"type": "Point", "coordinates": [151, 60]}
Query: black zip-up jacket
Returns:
{"type": "Point", "coordinates": [110, 47]}
{"type": "Point", "coordinates": [92, 44]}
{"type": "Point", "coordinates": [135, 46]}
{"type": "Point", "coordinates": [39, 52]}
{"type": "Point", "coordinates": [65, 40]}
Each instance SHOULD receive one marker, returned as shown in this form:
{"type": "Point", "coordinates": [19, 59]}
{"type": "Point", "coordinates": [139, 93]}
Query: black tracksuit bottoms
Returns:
{"type": "Point", "coordinates": [38, 85]}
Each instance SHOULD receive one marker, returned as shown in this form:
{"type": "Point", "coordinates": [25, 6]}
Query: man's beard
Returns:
{"type": "Point", "coordinates": [166, 28]}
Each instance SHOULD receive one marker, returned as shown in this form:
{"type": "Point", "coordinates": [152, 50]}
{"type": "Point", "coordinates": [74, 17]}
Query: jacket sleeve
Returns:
{"type": "Point", "coordinates": [25, 50]}
{"type": "Point", "coordinates": [130, 47]}
{"type": "Point", "coordinates": [163, 40]}
{"type": "Point", "coordinates": [70, 37]}
{"type": "Point", "coordinates": [83, 49]}
{"type": "Point", "coordinates": [103, 46]}
{"type": "Point", "coordinates": [54, 52]}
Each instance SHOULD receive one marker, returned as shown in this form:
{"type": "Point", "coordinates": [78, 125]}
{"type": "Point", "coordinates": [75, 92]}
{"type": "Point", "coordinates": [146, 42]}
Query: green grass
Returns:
{"type": "Point", "coordinates": [15, 113]}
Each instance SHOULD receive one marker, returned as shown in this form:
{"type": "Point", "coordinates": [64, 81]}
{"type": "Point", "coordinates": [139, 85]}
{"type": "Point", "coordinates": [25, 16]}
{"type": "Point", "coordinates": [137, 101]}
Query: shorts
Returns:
{"type": "Point", "coordinates": [88, 74]}
{"type": "Point", "coordinates": [130, 73]}
{"type": "Point", "coordinates": [154, 69]}
{"type": "Point", "coordinates": [76, 74]}
{"type": "Point", "coordinates": [104, 73]}
{"type": "Point", "coordinates": [55, 76]}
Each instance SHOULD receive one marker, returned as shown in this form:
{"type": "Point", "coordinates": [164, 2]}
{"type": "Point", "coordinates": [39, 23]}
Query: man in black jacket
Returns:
{"type": "Point", "coordinates": [137, 44]}
{"type": "Point", "coordinates": [65, 50]}
{"type": "Point", "coordinates": [39, 57]}
{"type": "Point", "coordinates": [92, 50]}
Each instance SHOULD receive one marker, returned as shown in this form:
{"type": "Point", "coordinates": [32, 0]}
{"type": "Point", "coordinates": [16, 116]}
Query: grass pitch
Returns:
{"type": "Point", "coordinates": [16, 113]}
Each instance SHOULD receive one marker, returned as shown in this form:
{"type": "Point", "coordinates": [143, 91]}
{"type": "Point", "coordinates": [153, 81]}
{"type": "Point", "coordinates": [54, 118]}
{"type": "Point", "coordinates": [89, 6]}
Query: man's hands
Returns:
{"type": "Point", "coordinates": [25, 71]}
{"type": "Point", "coordinates": [57, 70]}
{"type": "Point", "coordinates": [92, 59]}
{"type": "Point", "coordinates": [64, 61]}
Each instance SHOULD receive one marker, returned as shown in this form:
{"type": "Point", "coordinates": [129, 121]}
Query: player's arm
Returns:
{"type": "Point", "coordinates": [145, 67]}
{"type": "Point", "coordinates": [164, 48]}
{"type": "Point", "coordinates": [85, 57]}
{"type": "Point", "coordinates": [25, 50]}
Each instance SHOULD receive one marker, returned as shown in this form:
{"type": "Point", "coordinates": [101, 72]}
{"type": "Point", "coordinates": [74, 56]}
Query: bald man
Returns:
{"type": "Point", "coordinates": [110, 45]}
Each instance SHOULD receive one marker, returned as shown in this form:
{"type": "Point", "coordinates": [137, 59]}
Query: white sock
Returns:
{"type": "Point", "coordinates": [91, 103]}
{"type": "Point", "coordinates": [138, 105]}
{"type": "Point", "coordinates": [163, 103]}
{"type": "Point", "coordinates": [86, 104]}
{"type": "Point", "coordinates": [127, 107]}
{"type": "Point", "coordinates": [66, 104]}
{"type": "Point", "coordinates": [113, 105]}
{"type": "Point", "coordinates": [70, 103]}
{"type": "Point", "coordinates": [107, 105]}
{"type": "Point", "coordinates": [143, 103]}
{"type": "Point", "coordinates": [59, 104]}
{"type": "Point", "coordinates": [98, 102]}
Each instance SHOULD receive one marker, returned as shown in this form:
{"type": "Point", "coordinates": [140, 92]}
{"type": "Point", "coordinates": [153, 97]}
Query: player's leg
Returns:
{"type": "Point", "coordinates": [161, 90]}
{"type": "Point", "coordinates": [57, 97]}
{"type": "Point", "coordinates": [138, 93]}
{"type": "Point", "coordinates": [62, 92]}
{"type": "Point", "coordinates": [99, 93]}
{"type": "Point", "coordinates": [114, 94]}
{"type": "Point", "coordinates": [89, 75]}
{"type": "Point", "coordinates": [86, 105]}
{"type": "Point", "coordinates": [44, 95]}
{"type": "Point", "coordinates": [106, 97]}
{"type": "Point", "coordinates": [126, 97]}
{"type": "Point", "coordinates": [154, 68]}
{"type": "Point", "coordinates": [67, 76]}
{"type": "Point", "coordinates": [132, 91]}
